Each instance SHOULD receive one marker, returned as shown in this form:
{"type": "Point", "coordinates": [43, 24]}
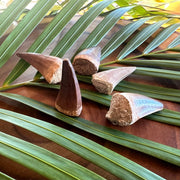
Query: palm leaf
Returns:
{"type": "Point", "coordinates": [30, 21]}
{"type": "Point", "coordinates": [153, 63]}
{"type": "Point", "coordinates": [139, 38]}
{"type": "Point", "coordinates": [161, 37]}
{"type": "Point", "coordinates": [5, 177]}
{"type": "Point", "coordinates": [121, 36]}
{"type": "Point", "coordinates": [78, 28]}
{"type": "Point", "coordinates": [103, 28]}
{"type": "Point", "coordinates": [44, 162]}
{"type": "Point", "coordinates": [101, 156]}
{"type": "Point", "coordinates": [24, 28]}
{"type": "Point", "coordinates": [174, 43]}
{"type": "Point", "coordinates": [47, 36]}
{"type": "Point", "coordinates": [162, 73]}
{"type": "Point", "coordinates": [163, 56]}
{"type": "Point", "coordinates": [163, 152]}
{"type": "Point", "coordinates": [11, 14]}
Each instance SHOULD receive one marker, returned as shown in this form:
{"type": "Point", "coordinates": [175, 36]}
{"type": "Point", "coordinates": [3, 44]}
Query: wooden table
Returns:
{"type": "Point", "coordinates": [155, 131]}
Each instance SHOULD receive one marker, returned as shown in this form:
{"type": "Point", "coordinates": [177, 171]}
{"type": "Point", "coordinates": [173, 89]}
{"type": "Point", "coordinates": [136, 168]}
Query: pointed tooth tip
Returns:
{"type": "Point", "coordinates": [69, 100]}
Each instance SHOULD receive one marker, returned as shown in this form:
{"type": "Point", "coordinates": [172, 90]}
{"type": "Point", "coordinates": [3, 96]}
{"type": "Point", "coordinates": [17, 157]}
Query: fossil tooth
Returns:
{"type": "Point", "coordinates": [49, 66]}
{"type": "Point", "coordinates": [127, 108]}
{"type": "Point", "coordinates": [106, 81]}
{"type": "Point", "coordinates": [69, 99]}
{"type": "Point", "coordinates": [87, 61]}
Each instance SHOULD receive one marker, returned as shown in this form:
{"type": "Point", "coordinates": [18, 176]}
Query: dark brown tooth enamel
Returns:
{"type": "Point", "coordinates": [49, 66]}
{"type": "Point", "coordinates": [87, 61]}
{"type": "Point", "coordinates": [106, 81]}
{"type": "Point", "coordinates": [69, 99]}
{"type": "Point", "coordinates": [127, 108]}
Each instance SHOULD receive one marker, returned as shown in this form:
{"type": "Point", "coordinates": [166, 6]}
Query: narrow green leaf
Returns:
{"type": "Point", "coordinates": [154, 72]}
{"type": "Point", "coordinates": [42, 161]}
{"type": "Point", "coordinates": [103, 28]}
{"type": "Point", "coordinates": [5, 177]}
{"type": "Point", "coordinates": [166, 116]}
{"type": "Point", "coordinates": [78, 28]}
{"type": "Point", "coordinates": [153, 63]}
{"type": "Point", "coordinates": [139, 38]}
{"type": "Point", "coordinates": [100, 98]}
{"type": "Point", "coordinates": [23, 29]}
{"type": "Point", "coordinates": [121, 36]}
{"type": "Point", "coordinates": [163, 56]}
{"type": "Point", "coordinates": [157, 150]}
{"type": "Point", "coordinates": [174, 43]}
{"type": "Point", "coordinates": [47, 36]}
{"type": "Point", "coordinates": [11, 13]}
{"type": "Point", "coordinates": [101, 156]}
{"type": "Point", "coordinates": [161, 37]}
{"type": "Point", "coordinates": [175, 49]}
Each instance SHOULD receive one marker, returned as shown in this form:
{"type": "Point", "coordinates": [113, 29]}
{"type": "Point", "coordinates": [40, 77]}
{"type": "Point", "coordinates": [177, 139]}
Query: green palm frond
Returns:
{"type": "Point", "coordinates": [5, 177]}
{"type": "Point", "coordinates": [11, 14]}
{"type": "Point", "coordinates": [101, 156]}
{"type": "Point", "coordinates": [149, 147]}
{"type": "Point", "coordinates": [134, 34]}
{"type": "Point", "coordinates": [54, 166]}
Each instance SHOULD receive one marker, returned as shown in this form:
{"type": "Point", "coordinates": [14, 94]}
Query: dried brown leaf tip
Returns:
{"type": "Point", "coordinates": [69, 99]}
{"type": "Point", "coordinates": [106, 81]}
{"type": "Point", "coordinates": [87, 61]}
{"type": "Point", "coordinates": [127, 108]}
{"type": "Point", "coordinates": [49, 66]}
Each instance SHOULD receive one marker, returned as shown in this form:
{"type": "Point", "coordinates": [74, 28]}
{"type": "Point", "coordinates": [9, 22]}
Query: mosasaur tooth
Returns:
{"type": "Point", "coordinates": [106, 81]}
{"type": "Point", "coordinates": [69, 99]}
{"type": "Point", "coordinates": [49, 66]}
{"type": "Point", "coordinates": [87, 61]}
{"type": "Point", "coordinates": [127, 108]}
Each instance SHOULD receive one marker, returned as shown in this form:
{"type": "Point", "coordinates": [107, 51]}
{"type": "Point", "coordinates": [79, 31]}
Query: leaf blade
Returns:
{"type": "Point", "coordinates": [77, 144]}
{"type": "Point", "coordinates": [139, 38]}
{"type": "Point", "coordinates": [174, 43]}
{"type": "Point", "coordinates": [23, 29]}
{"type": "Point", "coordinates": [11, 13]}
{"type": "Point", "coordinates": [5, 177]}
{"type": "Point", "coordinates": [103, 28]}
{"type": "Point", "coordinates": [127, 140]}
{"type": "Point", "coordinates": [161, 37]}
{"type": "Point", "coordinates": [78, 28]}
{"type": "Point", "coordinates": [40, 160]}
{"type": "Point", "coordinates": [121, 36]}
{"type": "Point", "coordinates": [46, 37]}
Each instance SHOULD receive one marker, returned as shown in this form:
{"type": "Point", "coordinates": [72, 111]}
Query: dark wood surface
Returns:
{"type": "Point", "coordinates": [155, 131]}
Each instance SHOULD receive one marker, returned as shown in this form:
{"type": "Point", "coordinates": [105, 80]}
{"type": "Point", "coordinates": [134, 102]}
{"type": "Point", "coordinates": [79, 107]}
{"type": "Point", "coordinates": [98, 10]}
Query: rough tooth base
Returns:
{"type": "Point", "coordinates": [84, 67]}
{"type": "Point", "coordinates": [120, 112]}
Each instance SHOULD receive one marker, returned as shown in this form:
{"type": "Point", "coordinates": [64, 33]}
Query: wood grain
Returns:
{"type": "Point", "coordinates": [155, 131]}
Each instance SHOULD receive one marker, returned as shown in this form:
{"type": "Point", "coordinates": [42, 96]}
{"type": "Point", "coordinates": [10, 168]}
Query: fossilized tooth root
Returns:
{"type": "Point", "coordinates": [87, 61]}
{"type": "Point", "coordinates": [106, 81]}
{"type": "Point", "coordinates": [49, 66]}
{"type": "Point", "coordinates": [127, 108]}
{"type": "Point", "coordinates": [69, 99]}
